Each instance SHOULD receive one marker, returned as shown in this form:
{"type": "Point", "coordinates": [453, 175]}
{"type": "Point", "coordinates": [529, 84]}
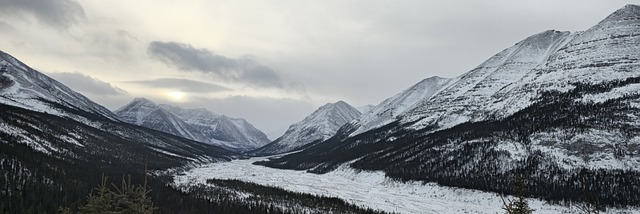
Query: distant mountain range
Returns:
{"type": "Point", "coordinates": [195, 124]}
{"type": "Point", "coordinates": [559, 108]}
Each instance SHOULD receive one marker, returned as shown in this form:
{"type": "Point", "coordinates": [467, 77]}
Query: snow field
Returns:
{"type": "Point", "coordinates": [366, 189]}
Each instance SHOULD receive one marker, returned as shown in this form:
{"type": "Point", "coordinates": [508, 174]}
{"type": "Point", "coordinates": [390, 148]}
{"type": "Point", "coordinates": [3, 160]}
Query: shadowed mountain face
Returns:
{"type": "Point", "coordinates": [195, 124]}
{"type": "Point", "coordinates": [55, 144]}
{"type": "Point", "coordinates": [560, 108]}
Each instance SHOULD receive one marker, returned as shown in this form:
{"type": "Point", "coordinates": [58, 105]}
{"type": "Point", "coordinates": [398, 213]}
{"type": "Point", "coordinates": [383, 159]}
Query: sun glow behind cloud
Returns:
{"type": "Point", "coordinates": [300, 54]}
{"type": "Point", "coordinates": [177, 96]}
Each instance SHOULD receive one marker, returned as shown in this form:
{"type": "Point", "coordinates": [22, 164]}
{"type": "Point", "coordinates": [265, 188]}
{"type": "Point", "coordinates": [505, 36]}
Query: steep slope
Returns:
{"type": "Point", "coordinates": [387, 111]}
{"type": "Point", "coordinates": [559, 108]}
{"type": "Point", "coordinates": [55, 144]}
{"type": "Point", "coordinates": [473, 95]}
{"type": "Point", "coordinates": [53, 119]}
{"type": "Point", "coordinates": [365, 108]}
{"type": "Point", "coordinates": [195, 124]}
{"type": "Point", "coordinates": [23, 87]}
{"type": "Point", "coordinates": [320, 125]}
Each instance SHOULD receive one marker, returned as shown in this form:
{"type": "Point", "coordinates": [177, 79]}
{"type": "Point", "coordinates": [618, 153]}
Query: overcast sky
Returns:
{"type": "Point", "coordinates": [271, 62]}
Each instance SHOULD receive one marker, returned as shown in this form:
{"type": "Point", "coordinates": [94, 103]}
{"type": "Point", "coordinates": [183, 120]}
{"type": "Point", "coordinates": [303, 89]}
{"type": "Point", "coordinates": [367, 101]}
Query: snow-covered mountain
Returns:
{"type": "Point", "coordinates": [196, 124]}
{"type": "Point", "coordinates": [556, 106]}
{"type": "Point", "coordinates": [390, 108]}
{"type": "Point", "coordinates": [24, 87]}
{"type": "Point", "coordinates": [365, 108]}
{"type": "Point", "coordinates": [55, 144]}
{"type": "Point", "coordinates": [516, 77]}
{"type": "Point", "coordinates": [48, 118]}
{"type": "Point", "coordinates": [320, 125]}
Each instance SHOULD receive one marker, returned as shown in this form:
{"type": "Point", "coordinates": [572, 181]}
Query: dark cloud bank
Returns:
{"type": "Point", "coordinates": [57, 13]}
{"type": "Point", "coordinates": [243, 70]}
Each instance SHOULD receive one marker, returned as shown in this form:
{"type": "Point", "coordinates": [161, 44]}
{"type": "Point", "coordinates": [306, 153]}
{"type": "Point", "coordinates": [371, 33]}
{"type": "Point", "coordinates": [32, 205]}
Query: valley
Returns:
{"type": "Point", "coordinates": [364, 188]}
{"type": "Point", "coordinates": [551, 121]}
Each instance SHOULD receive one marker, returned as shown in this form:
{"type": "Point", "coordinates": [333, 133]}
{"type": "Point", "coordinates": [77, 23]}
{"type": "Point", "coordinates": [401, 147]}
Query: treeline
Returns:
{"type": "Point", "coordinates": [41, 184]}
{"type": "Point", "coordinates": [36, 182]}
{"type": "Point", "coordinates": [466, 155]}
{"type": "Point", "coordinates": [272, 199]}
{"type": "Point", "coordinates": [472, 155]}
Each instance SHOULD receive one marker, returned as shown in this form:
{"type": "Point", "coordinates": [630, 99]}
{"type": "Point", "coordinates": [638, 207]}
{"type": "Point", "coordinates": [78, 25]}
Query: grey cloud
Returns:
{"type": "Point", "coordinates": [112, 45]}
{"type": "Point", "coordinates": [5, 26]}
{"type": "Point", "coordinates": [185, 85]}
{"type": "Point", "coordinates": [119, 41]}
{"type": "Point", "coordinates": [58, 13]}
{"type": "Point", "coordinates": [87, 84]}
{"type": "Point", "coordinates": [244, 70]}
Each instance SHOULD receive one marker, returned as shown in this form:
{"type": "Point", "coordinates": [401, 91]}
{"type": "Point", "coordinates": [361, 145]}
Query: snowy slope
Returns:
{"type": "Point", "coordinates": [233, 133]}
{"type": "Point", "coordinates": [365, 108]}
{"type": "Point", "coordinates": [389, 109]}
{"type": "Point", "coordinates": [23, 87]}
{"type": "Point", "coordinates": [320, 125]}
{"type": "Point", "coordinates": [51, 119]}
{"type": "Point", "coordinates": [514, 78]}
{"type": "Point", "coordinates": [473, 94]}
{"type": "Point", "coordinates": [367, 189]}
{"type": "Point", "coordinates": [144, 112]}
{"type": "Point", "coordinates": [554, 104]}
{"type": "Point", "coordinates": [196, 124]}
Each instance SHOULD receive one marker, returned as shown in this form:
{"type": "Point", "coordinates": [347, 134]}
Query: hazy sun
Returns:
{"type": "Point", "coordinates": [176, 95]}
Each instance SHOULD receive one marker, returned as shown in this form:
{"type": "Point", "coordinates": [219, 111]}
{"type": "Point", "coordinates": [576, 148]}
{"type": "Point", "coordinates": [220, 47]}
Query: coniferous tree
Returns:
{"type": "Point", "coordinates": [128, 199]}
{"type": "Point", "coordinates": [589, 205]}
{"type": "Point", "coordinates": [519, 205]}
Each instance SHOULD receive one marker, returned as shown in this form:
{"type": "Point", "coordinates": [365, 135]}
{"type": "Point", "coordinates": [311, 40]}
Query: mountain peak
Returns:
{"type": "Point", "coordinates": [341, 103]}
{"type": "Point", "coordinates": [628, 13]}
{"type": "Point", "coordinates": [630, 8]}
{"type": "Point", "coordinates": [320, 125]}
{"type": "Point", "coordinates": [543, 38]}
{"type": "Point", "coordinates": [332, 109]}
{"type": "Point", "coordinates": [137, 103]}
{"type": "Point", "coordinates": [142, 100]}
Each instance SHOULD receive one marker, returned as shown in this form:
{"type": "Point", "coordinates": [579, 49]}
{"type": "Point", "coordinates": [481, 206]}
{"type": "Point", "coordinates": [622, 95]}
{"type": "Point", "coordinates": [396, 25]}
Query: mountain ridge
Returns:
{"type": "Point", "coordinates": [556, 107]}
{"type": "Point", "coordinates": [319, 125]}
{"type": "Point", "coordinates": [195, 124]}
{"type": "Point", "coordinates": [27, 88]}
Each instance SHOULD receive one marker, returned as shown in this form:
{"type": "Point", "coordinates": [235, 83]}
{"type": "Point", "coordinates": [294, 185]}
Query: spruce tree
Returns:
{"type": "Point", "coordinates": [127, 199]}
{"type": "Point", "coordinates": [519, 205]}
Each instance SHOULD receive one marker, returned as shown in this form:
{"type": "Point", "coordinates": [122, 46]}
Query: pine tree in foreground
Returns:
{"type": "Point", "coordinates": [518, 205]}
{"type": "Point", "coordinates": [126, 199]}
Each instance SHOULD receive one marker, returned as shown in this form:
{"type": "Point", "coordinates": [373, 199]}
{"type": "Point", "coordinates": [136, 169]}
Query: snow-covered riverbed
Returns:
{"type": "Point", "coordinates": [367, 189]}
